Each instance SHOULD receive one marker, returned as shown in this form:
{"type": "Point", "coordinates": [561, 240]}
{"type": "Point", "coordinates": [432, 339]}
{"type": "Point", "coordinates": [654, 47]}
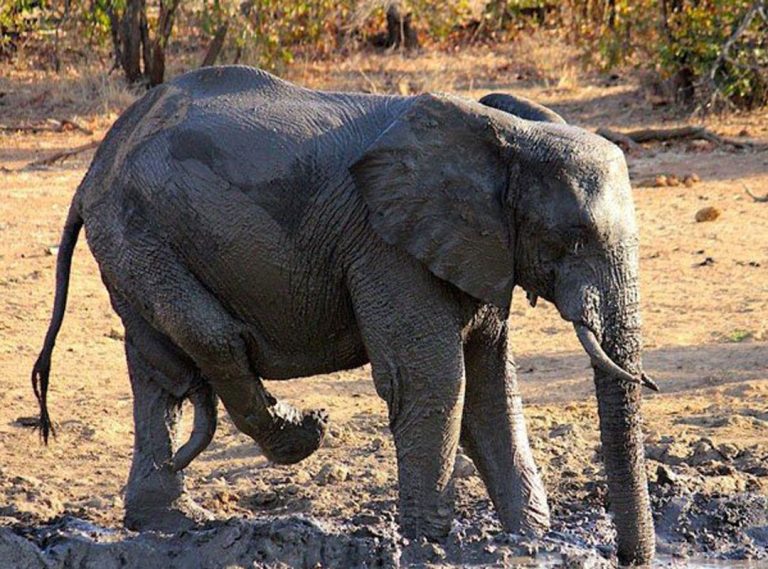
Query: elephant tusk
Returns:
{"type": "Point", "coordinates": [649, 383]}
{"type": "Point", "coordinates": [599, 358]}
{"type": "Point", "coordinates": [204, 427]}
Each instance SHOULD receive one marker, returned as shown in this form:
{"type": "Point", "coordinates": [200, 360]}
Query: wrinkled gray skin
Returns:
{"type": "Point", "coordinates": [247, 228]}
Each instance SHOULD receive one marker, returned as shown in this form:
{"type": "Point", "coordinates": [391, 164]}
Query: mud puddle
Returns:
{"type": "Point", "coordinates": [693, 531]}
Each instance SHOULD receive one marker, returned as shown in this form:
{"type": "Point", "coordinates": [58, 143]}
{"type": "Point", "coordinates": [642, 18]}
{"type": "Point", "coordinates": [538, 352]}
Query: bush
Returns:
{"type": "Point", "coordinates": [712, 52]}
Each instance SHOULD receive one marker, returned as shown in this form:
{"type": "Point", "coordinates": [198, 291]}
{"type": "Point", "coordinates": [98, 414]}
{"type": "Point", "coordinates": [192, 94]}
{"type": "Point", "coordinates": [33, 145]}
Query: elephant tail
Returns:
{"type": "Point", "coordinates": [42, 368]}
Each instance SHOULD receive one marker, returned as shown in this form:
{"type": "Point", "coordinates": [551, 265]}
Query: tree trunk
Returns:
{"type": "Point", "coordinates": [133, 43]}
{"type": "Point", "coordinates": [399, 29]}
{"type": "Point", "coordinates": [130, 40]}
{"type": "Point", "coordinates": [217, 43]}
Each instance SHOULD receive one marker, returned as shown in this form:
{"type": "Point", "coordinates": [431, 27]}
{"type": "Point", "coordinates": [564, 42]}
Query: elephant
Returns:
{"type": "Point", "coordinates": [247, 228]}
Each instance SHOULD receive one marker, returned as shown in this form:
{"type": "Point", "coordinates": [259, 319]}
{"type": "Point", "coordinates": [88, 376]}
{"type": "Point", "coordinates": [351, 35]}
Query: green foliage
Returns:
{"type": "Point", "coordinates": [683, 40]}
{"type": "Point", "coordinates": [269, 33]}
{"type": "Point", "coordinates": [737, 336]}
{"type": "Point", "coordinates": [16, 18]}
{"type": "Point", "coordinates": [694, 44]}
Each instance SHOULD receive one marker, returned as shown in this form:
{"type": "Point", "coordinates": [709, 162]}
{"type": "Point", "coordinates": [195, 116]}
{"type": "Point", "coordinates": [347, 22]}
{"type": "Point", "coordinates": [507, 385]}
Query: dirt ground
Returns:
{"type": "Point", "coordinates": [705, 310]}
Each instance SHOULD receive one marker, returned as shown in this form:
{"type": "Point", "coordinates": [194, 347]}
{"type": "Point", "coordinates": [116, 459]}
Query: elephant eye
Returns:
{"type": "Point", "coordinates": [577, 239]}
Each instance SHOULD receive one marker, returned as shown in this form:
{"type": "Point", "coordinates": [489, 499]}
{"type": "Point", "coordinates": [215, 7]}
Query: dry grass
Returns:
{"type": "Point", "coordinates": [92, 96]}
{"type": "Point", "coordinates": [536, 61]}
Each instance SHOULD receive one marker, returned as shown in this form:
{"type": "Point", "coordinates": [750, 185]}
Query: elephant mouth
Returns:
{"type": "Point", "coordinates": [600, 360]}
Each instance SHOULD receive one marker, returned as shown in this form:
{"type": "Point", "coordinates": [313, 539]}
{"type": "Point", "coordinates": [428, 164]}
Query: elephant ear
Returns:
{"type": "Point", "coordinates": [435, 183]}
{"type": "Point", "coordinates": [521, 107]}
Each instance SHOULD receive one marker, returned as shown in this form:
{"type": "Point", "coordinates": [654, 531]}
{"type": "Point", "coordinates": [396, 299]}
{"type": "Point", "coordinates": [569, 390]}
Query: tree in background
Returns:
{"type": "Point", "coordinates": [139, 48]}
{"type": "Point", "coordinates": [712, 54]}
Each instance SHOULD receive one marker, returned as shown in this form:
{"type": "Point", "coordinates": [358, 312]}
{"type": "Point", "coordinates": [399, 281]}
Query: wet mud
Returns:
{"type": "Point", "coordinates": [694, 529]}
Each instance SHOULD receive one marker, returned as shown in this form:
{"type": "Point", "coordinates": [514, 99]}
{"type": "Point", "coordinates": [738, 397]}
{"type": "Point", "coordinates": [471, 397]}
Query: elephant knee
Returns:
{"type": "Point", "coordinates": [387, 382]}
{"type": "Point", "coordinates": [215, 347]}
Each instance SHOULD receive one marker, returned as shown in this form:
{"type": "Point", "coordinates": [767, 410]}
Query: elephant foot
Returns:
{"type": "Point", "coordinates": [425, 514]}
{"type": "Point", "coordinates": [534, 522]}
{"type": "Point", "coordinates": [433, 526]}
{"type": "Point", "coordinates": [531, 518]}
{"type": "Point", "coordinates": [293, 435]}
{"type": "Point", "coordinates": [155, 499]}
{"type": "Point", "coordinates": [182, 514]}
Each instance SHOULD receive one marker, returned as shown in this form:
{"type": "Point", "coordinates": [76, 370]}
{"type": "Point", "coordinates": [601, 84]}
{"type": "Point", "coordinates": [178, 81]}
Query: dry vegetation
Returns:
{"type": "Point", "coordinates": [705, 303]}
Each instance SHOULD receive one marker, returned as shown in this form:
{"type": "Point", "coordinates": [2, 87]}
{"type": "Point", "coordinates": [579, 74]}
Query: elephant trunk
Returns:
{"type": "Point", "coordinates": [622, 441]}
{"type": "Point", "coordinates": [606, 318]}
{"type": "Point", "coordinates": [619, 401]}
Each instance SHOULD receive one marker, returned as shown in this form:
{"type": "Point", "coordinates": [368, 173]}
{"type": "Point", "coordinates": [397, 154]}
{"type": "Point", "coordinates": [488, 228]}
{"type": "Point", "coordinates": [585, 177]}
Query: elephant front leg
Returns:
{"type": "Point", "coordinates": [155, 497]}
{"type": "Point", "coordinates": [425, 419]}
{"type": "Point", "coordinates": [494, 435]}
{"type": "Point", "coordinates": [413, 338]}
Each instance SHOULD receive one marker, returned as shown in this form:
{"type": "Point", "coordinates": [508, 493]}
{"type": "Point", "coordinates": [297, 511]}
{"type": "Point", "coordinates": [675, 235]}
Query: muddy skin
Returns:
{"type": "Point", "coordinates": [262, 230]}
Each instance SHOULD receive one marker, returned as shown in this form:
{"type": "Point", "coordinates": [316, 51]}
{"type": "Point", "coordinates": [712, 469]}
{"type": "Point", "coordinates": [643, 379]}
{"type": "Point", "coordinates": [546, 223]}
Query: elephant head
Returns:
{"type": "Point", "coordinates": [487, 201]}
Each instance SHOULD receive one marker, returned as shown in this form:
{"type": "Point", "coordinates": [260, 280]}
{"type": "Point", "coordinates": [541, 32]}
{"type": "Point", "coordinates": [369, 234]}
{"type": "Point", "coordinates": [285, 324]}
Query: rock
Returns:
{"type": "Point", "coordinates": [19, 553]}
{"type": "Point", "coordinates": [704, 451]}
{"type": "Point", "coordinates": [655, 452]}
{"type": "Point", "coordinates": [464, 467]}
{"type": "Point", "coordinates": [673, 181]}
{"type": "Point", "coordinates": [660, 181]}
{"type": "Point", "coordinates": [287, 542]}
{"type": "Point", "coordinates": [562, 430]}
{"type": "Point", "coordinates": [225, 497]}
{"type": "Point", "coordinates": [301, 476]}
{"type": "Point", "coordinates": [728, 451]}
{"type": "Point", "coordinates": [335, 436]}
{"type": "Point", "coordinates": [708, 213]}
{"type": "Point", "coordinates": [665, 476]}
{"type": "Point", "coordinates": [264, 498]}
{"type": "Point", "coordinates": [674, 453]}
{"type": "Point", "coordinates": [367, 518]}
{"type": "Point", "coordinates": [115, 334]}
{"type": "Point", "coordinates": [332, 474]}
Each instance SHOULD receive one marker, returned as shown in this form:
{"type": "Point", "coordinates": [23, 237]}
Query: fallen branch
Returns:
{"type": "Point", "coordinates": [619, 139]}
{"type": "Point", "coordinates": [633, 138]}
{"type": "Point", "coordinates": [760, 199]}
{"type": "Point", "coordinates": [62, 155]}
{"type": "Point", "coordinates": [52, 126]}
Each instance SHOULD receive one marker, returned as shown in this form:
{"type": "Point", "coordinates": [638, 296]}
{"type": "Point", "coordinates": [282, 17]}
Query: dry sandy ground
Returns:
{"type": "Point", "coordinates": [706, 329]}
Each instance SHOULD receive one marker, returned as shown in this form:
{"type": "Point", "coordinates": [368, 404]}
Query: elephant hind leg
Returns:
{"type": "Point", "coordinates": [176, 374]}
{"type": "Point", "coordinates": [155, 496]}
{"type": "Point", "coordinates": [178, 305]}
